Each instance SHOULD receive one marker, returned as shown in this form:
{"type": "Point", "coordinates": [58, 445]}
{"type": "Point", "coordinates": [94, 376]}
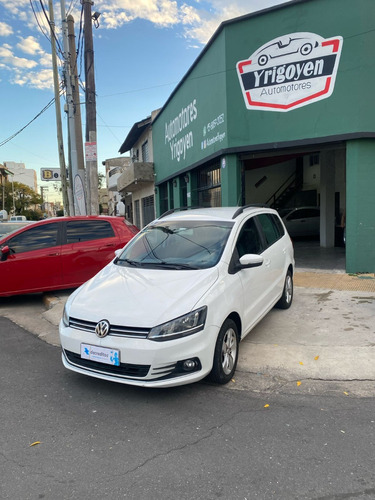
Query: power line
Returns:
{"type": "Point", "coordinates": [49, 25]}
{"type": "Point", "coordinates": [38, 23]}
{"type": "Point", "coordinates": [139, 90]}
{"type": "Point", "coordinates": [2, 143]}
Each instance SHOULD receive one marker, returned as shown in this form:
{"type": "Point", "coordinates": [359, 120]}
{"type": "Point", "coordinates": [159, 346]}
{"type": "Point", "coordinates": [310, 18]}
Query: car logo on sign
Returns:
{"type": "Point", "coordinates": [102, 328]}
{"type": "Point", "coordinates": [290, 72]}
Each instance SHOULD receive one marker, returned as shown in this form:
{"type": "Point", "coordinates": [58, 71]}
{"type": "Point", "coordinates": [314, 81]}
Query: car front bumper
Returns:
{"type": "Point", "coordinates": [143, 362]}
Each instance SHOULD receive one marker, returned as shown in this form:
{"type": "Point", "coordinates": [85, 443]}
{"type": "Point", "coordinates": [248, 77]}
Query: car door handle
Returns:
{"type": "Point", "coordinates": [110, 245]}
{"type": "Point", "coordinates": [53, 254]}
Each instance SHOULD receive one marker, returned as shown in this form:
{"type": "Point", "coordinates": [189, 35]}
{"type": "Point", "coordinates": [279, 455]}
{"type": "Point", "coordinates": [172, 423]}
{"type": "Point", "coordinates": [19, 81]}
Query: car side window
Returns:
{"type": "Point", "coordinates": [82, 230]}
{"type": "Point", "coordinates": [35, 238]}
{"type": "Point", "coordinates": [271, 229]}
{"type": "Point", "coordinates": [249, 240]}
{"type": "Point", "coordinates": [278, 224]}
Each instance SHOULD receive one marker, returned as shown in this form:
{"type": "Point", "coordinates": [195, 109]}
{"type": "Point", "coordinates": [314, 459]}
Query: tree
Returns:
{"type": "Point", "coordinates": [101, 179]}
{"type": "Point", "coordinates": [25, 198]}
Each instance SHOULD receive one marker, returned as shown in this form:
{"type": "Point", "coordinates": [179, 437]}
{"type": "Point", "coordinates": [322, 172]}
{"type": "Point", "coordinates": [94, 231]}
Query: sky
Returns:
{"type": "Point", "coordinates": [142, 49]}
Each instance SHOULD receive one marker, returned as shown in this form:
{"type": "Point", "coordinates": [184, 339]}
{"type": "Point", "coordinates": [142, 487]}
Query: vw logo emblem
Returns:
{"type": "Point", "coordinates": [102, 328]}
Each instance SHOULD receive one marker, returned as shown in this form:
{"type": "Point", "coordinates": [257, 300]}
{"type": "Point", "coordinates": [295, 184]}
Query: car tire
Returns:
{"type": "Point", "coordinates": [287, 297]}
{"type": "Point", "coordinates": [226, 353]}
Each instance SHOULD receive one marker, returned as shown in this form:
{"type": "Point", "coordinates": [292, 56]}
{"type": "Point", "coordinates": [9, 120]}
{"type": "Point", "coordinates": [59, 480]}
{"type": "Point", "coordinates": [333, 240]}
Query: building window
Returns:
{"type": "Point", "coordinates": [145, 156]}
{"type": "Point", "coordinates": [163, 198]}
{"type": "Point", "coordinates": [135, 155]}
{"type": "Point", "coordinates": [209, 186]}
{"type": "Point", "coordinates": [314, 159]}
{"type": "Point", "coordinates": [113, 171]}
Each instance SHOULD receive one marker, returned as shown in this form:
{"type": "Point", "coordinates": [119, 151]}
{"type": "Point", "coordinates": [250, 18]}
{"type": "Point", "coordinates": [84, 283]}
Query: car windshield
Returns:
{"type": "Point", "coordinates": [177, 245]}
{"type": "Point", "coordinates": [10, 227]}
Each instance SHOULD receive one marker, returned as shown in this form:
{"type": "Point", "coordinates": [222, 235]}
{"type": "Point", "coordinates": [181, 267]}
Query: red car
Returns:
{"type": "Point", "coordinates": [59, 253]}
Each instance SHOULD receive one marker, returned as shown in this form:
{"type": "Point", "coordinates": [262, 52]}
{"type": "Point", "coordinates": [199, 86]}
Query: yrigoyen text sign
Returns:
{"type": "Point", "coordinates": [290, 72]}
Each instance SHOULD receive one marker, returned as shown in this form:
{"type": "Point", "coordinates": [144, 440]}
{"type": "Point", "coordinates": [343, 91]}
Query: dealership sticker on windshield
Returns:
{"type": "Point", "coordinates": [290, 71]}
{"type": "Point", "coordinates": [100, 354]}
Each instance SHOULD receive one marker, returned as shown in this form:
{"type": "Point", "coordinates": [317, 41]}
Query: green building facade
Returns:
{"type": "Point", "coordinates": [279, 109]}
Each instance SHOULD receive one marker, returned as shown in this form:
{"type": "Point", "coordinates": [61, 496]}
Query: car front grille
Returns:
{"type": "Point", "coordinates": [115, 330]}
{"type": "Point", "coordinates": [124, 370]}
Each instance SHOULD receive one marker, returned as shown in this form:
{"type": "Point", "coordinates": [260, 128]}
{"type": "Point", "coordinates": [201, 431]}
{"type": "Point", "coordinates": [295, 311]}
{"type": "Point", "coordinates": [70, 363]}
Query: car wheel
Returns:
{"type": "Point", "coordinates": [287, 297]}
{"type": "Point", "coordinates": [226, 353]}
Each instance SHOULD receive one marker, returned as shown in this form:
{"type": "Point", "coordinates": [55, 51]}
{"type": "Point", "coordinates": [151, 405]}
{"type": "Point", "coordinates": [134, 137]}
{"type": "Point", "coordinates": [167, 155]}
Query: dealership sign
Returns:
{"type": "Point", "coordinates": [289, 72]}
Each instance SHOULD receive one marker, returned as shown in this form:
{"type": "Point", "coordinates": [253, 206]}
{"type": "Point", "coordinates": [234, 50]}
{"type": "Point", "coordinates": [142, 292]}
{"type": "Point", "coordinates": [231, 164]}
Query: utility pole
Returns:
{"type": "Point", "coordinates": [75, 95]}
{"type": "Point", "coordinates": [60, 143]}
{"type": "Point", "coordinates": [90, 146]}
{"type": "Point", "coordinates": [77, 181]}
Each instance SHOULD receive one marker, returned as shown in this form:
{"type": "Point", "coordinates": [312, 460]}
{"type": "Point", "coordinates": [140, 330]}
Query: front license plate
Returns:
{"type": "Point", "coordinates": [100, 354]}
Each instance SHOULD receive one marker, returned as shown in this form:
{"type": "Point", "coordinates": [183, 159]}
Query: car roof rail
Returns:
{"type": "Point", "coordinates": [178, 209]}
{"type": "Point", "coordinates": [251, 205]}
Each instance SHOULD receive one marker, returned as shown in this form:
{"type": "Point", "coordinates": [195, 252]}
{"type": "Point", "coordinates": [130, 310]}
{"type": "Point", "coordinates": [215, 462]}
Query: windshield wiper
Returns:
{"type": "Point", "coordinates": [130, 262]}
{"type": "Point", "coordinates": [171, 265]}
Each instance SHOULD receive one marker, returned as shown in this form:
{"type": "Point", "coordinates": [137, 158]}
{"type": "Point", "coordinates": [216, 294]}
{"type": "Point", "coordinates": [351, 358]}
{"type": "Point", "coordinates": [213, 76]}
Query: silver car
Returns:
{"type": "Point", "coordinates": [301, 221]}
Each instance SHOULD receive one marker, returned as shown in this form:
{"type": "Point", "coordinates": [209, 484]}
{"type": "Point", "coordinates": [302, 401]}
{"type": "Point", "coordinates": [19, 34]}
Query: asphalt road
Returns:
{"type": "Point", "coordinates": [103, 440]}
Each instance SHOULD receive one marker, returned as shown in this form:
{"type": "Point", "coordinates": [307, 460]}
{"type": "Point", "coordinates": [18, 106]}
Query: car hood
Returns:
{"type": "Point", "coordinates": [140, 297]}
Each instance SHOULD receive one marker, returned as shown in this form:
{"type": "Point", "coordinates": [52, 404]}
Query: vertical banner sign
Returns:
{"type": "Point", "coordinates": [79, 195]}
{"type": "Point", "coordinates": [289, 72]}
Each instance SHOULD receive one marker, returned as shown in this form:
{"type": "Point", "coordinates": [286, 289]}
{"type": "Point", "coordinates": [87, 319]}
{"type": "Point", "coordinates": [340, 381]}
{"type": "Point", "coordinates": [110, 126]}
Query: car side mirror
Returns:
{"type": "Point", "coordinates": [5, 251]}
{"type": "Point", "coordinates": [250, 260]}
{"type": "Point", "coordinates": [245, 262]}
{"type": "Point", "coordinates": [118, 252]}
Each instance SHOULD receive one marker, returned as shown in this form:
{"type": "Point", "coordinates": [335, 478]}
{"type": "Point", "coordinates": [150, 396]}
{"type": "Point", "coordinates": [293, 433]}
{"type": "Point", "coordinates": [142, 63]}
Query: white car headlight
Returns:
{"type": "Point", "coordinates": [65, 317]}
{"type": "Point", "coordinates": [183, 326]}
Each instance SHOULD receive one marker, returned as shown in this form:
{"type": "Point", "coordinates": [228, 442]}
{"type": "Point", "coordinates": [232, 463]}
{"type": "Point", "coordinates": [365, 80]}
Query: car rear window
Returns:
{"type": "Point", "coordinates": [87, 230]}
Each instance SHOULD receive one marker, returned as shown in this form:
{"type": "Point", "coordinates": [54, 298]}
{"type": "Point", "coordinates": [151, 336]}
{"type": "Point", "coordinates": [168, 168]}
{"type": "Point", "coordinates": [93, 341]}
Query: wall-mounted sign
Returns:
{"type": "Point", "coordinates": [178, 133]}
{"type": "Point", "coordinates": [290, 71]}
{"type": "Point", "coordinates": [50, 174]}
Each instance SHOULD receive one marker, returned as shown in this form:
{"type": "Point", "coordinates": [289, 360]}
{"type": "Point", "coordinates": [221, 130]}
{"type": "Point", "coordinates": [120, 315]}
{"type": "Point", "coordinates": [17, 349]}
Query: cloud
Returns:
{"type": "Point", "coordinates": [118, 12]}
{"type": "Point", "coordinates": [30, 45]}
{"type": "Point", "coordinates": [203, 23]}
{"type": "Point", "coordinates": [45, 60]}
{"type": "Point", "coordinates": [5, 29]}
{"type": "Point", "coordinates": [8, 57]}
{"type": "Point", "coordinates": [37, 79]}
{"type": "Point", "coordinates": [198, 21]}
{"type": "Point", "coordinates": [34, 71]}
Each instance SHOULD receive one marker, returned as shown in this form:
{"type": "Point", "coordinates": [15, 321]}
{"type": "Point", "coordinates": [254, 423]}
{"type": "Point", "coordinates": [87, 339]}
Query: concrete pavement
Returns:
{"type": "Point", "coordinates": [326, 337]}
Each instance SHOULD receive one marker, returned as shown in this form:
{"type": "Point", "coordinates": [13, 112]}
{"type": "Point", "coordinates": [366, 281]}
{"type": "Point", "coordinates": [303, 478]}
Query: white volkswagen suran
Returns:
{"type": "Point", "coordinates": [173, 305]}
